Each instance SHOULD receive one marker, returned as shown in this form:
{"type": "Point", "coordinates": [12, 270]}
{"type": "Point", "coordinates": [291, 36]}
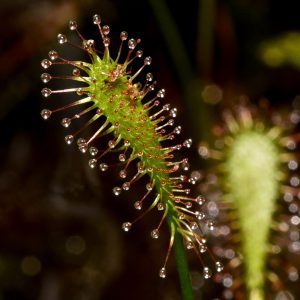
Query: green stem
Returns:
{"type": "Point", "coordinates": [183, 269]}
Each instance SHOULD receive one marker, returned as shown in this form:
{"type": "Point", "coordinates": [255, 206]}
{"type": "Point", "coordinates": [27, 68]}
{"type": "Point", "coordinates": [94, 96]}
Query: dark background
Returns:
{"type": "Point", "coordinates": [60, 235]}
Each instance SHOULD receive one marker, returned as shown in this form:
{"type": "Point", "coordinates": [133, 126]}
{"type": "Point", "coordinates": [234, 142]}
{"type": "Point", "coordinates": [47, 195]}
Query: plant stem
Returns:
{"type": "Point", "coordinates": [182, 268]}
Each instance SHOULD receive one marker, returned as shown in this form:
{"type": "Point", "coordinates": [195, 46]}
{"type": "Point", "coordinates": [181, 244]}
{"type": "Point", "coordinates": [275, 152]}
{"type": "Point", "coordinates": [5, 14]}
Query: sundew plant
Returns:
{"type": "Point", "coordinates": [255, 172]}
{"type": "Point", "coordinates": [130, 118]}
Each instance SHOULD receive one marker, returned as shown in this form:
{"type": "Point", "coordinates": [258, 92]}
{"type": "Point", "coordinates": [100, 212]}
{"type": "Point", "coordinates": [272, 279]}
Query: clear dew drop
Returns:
{"type": "Point", "coordinates": [96, 19]}
{"type": "Point", "coordinates": [69, 139]}
{"type": "Point", "coordinates": [173, 112]}
{"type": "Point", "coordinates": [93, 151]}
{"type": "Point", "coordinates": [148, 60]}
{"type": "Point", "coordinates": [123, 36]}
{"type": "Point", "coordinates": [126, 226]}
{"type": "Point", "coordinates": [200, 200]}
{"type": "Point", "coordinates": [132, 44]}
{"type": "Point", "coordinates": [61, 38]}
{"type": "Point", "coordinates": [161, 93]}
{"type": "Point", "coordinates": [187, 143]}
{"type": "Point", "coordinates": [163, 273]}
{"type": "Point", "coordinates": [123, 174]}
{"type": "Point", "coordinates": [45, 77]}
{"type": "Point", "coordinates": [72, 25]}
{"type": "Point", "coordinates": [126, 186]}
{"type": "Point", "coordinates": [46, 113]}
{"type": "Point", "coordinates": [65, 122]}
{"type": "Point", "coordinates": [46, 63]}
{"type": "Point", "coordinates": [155, 234]}
{"type": "Point", "coordinates": [92, 163]}
{"type": "Point", "coordinates": [138, 205]}
{"type": "Point", "coordinates": [206, 273]}
{"type": "Point", "coordinates": [103, 167]}
{"type": "Point", "coordinates": [219, 266]}
{"type": "Point", "coordinates": [117, 191]}
{"type": "Point", "coordinates": [46, 92]}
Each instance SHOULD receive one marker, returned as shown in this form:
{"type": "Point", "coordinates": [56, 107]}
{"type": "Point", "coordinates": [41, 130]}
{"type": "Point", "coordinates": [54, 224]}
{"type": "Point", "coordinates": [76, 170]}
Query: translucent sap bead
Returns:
{"type": "Point", "coordinates": [210, 225]}
{"type": "Point", "coordinates": [132, 44]}
{"type": "Point", "coordinates": [139, 53]}
{"type": "Point", "coordinates": [46, 92]}
{"type": "Point", "coordinates": [122, 157]}
{"type": "Point", "coordinates": [126, 186]}
{"type": "Point", "coordinates": [45, 77]}
{"type": "Point", "coordinates": [126, 226]}
{"type": "Point", "coordinates": [92, 163]}
{"type": "Point", "coordinates": [202, 248]}
{"type": "Point", "coordinates": [123, 36]}
{"type": "Point", "coordinates": [53, 55]}
{"type": "Point", "coordinates": [72, 25]}
{"type": "Point", "coordinates": [200, 215]}
{"type": "Point", "coordinates": [106, 42]}
{"type": "Point", "coordinates": [117, 191]}
{"type": "Point", "coordinates": [161, 93]}
{"type": "Point", "coordinates": [62, 39]}
{"type": "Point", "coordinates": [65, 122]}
{"type": "Point", "coordinates": [148, 60]}
{"type": "Point", "coordinates": [105, 29]}
{"type": "Point", "coordinates": [93, 151]}
{"type": "Point", "coordinates": [200, 200]}
{"type": "Point", "coordinates": [187, 143]}
{"type": "Point", "coordinates": [138, 205]}
{"type": "Point", "coordinates": [163, 273]}
{"type": "Point", "coordinates": [188, 204]}
{"type": "Point", "coordinates": [166, 107]}
{"type": "Point", "coordinates": [81, 141]}
{"type": "Point", "coordinates": [83, 147]}
{"type": "Point", "coordinates": [69, 139]}
{"type": "Point", "coordinates": [76, 72]}
{"type": "Point", "coordinates": [155, 234]}
{"type": "Point", "coordinates": [194, 225]}
{"type": "Point", "coordinates": [160, 206]}
{"type": "Point", "coordinates": [219, 266]}
{"type": "Point", "coordinates": [206, 273]}
{"type": "Point", "coordinates": [123, 174]}
{"type": "Point", "coordinates": [46, 113]}
{"type": "Point", "coordinates": [96, 19]}
{"type": "Point", "coordinates": [185, 165]}
{"type": "Point", "coordinates": [189, 245]}
{"type": "Point", "coordinates": [103, 167]}
{"type": "Point", "coordinates": [177, 130]}
{"type": "Point", "coordinates": [46, 63]}
{"type": "Point", "coordinates": [173, 112]}
{"type": "Point", "coordinates": [149, 77]}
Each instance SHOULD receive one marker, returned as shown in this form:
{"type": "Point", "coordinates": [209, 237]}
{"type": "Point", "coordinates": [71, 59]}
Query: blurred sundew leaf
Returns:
{"type": "Point", "coordinates": [281, 51]}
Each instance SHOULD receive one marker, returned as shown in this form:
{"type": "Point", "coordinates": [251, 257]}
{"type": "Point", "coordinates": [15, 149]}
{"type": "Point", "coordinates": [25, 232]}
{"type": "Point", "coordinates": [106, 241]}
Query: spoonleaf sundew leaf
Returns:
{"type": "Point", "coordinates": [138, 127]}
{"type": "Point", "coordinates": [255, 167]}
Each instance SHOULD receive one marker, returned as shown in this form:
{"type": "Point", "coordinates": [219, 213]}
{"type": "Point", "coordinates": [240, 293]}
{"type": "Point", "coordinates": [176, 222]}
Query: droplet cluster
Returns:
{"type": "Point", "coordinates": [141, 130]}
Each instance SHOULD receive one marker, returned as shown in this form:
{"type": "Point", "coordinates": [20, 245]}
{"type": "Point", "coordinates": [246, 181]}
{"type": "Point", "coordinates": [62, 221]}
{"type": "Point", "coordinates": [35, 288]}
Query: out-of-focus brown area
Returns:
{"type": "Point", "coordinates": [59, 223]}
